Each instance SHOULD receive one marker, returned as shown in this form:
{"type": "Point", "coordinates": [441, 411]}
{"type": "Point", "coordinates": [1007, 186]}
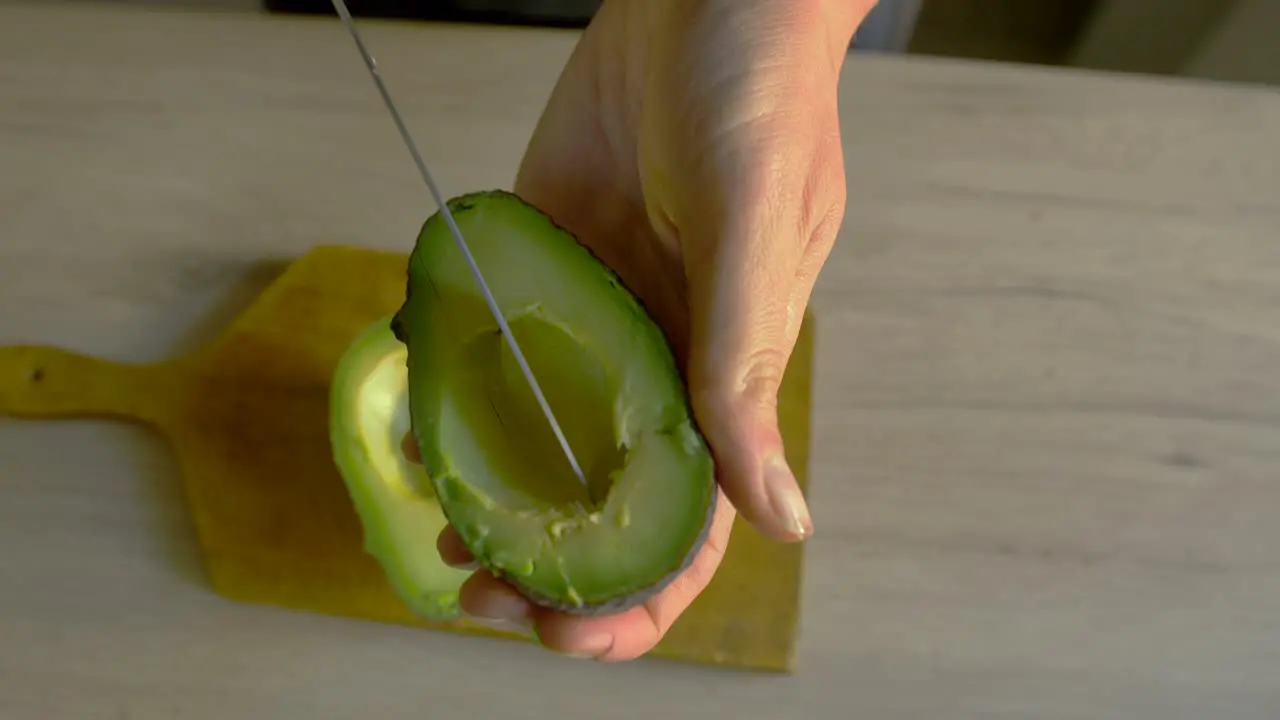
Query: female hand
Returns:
{"type": "Point", "coordinates": [694, 146]}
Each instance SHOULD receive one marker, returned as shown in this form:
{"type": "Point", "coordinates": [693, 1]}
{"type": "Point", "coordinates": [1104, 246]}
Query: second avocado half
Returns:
{"type": "Point", "coordinates": [610, 377]}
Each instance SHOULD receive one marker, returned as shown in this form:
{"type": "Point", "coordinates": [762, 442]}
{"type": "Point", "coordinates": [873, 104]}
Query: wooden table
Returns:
{"type": "Point", "coordinates": [1047, 424]}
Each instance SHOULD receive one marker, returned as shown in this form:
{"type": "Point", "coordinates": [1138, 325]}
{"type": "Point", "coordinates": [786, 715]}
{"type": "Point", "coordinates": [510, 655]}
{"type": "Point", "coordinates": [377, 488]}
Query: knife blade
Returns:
{"type": "Point", "coordinates": [349, 22]}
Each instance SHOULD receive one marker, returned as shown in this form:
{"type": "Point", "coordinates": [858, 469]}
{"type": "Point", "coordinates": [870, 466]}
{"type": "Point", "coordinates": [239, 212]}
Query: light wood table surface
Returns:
{"type": "Point", "coordinates": [1047, 413]}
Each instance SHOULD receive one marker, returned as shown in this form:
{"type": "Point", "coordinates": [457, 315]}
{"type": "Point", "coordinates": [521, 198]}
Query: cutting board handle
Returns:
{"type": "Point", "coordinates": [47, 382]}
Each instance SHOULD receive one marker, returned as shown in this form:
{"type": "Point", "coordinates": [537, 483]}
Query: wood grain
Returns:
{"type": "Point", "coordinates": [1046, 407]}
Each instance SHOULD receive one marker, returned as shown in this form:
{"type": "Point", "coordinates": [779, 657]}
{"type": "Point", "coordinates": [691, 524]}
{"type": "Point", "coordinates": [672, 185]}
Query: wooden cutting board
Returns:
{"type": "Point", "coordinates": [247, 417]}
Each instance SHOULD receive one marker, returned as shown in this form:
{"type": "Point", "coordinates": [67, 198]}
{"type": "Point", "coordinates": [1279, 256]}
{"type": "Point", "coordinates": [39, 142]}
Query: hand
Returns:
{"type": "Point", "coordinates": [694, 146]}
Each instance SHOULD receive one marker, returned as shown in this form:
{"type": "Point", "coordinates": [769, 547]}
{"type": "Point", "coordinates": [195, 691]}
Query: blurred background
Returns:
{"type": "Point", "coordinates": [1231, 40]}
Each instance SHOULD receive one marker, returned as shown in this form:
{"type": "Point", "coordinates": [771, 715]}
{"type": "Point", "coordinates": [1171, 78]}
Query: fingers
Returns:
{"type": "Point", "coordinates": [453, 551]}
{"type": "Point", "coordinates": [482, 596]}
{"type": "Point", "coordinates": [495, 603]}
{"type": "Point", "coordinates": [621, 636]}
{"type": "Point", "coordinates": [628, 635]}
{"type": "Point", "coordinates": [410, 449]}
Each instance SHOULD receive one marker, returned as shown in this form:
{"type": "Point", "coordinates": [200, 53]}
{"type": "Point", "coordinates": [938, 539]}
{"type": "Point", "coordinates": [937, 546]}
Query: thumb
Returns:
{"type": "Point", "coordinates": [741, 424]}
{"type": "Point", "coordinates": [747, 295]}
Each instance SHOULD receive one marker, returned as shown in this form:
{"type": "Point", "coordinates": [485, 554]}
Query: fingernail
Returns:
{"type": "Point", "coordinates": [498, 607]}
{"type": "Point", "coordinates": [785, 498]}
{"type": "Point", "coordinates": [502, 624]}
{"type": "Point", "coordinates": [467, 566]}
{"type": "Point", "coordinates": [593, 647]}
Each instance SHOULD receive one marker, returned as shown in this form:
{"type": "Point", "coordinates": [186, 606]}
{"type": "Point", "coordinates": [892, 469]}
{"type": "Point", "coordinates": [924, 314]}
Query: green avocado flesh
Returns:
{"type": "Point", "coordinates": [369, 416]}
{"type": "Point", "coordinates": [611, 379]}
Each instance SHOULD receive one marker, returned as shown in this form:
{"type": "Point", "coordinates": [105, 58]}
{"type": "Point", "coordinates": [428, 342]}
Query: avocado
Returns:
{"type": "Point", "coordinates": [394, 499]}
{"type": "Point", "coordinates": [609, 374]}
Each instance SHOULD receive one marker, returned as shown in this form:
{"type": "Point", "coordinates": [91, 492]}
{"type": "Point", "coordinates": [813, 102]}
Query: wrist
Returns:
{"type": "Point", "coordinates": [844, 16]}
{"type": "Point", "coordinates": [828, 25]}
{"type": "Point", "coordinates": [841, 19]}
{"type": "Point", "coordinates": [832, 22]}
{"type": "Point", "coordinates": [838, 18]}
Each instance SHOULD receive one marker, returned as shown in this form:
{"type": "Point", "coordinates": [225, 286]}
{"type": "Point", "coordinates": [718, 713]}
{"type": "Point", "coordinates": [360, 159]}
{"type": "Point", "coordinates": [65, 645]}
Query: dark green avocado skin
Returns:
{"type": "Point", "coordinates": [459, 206]}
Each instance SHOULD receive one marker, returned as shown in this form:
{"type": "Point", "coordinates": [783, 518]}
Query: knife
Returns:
{"type": "Point", "coordinates": [372, 65]}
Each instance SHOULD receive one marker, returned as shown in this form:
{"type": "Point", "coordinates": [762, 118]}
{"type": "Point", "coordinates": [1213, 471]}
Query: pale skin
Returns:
{"type": "Point", "coordinates": [694, 146]}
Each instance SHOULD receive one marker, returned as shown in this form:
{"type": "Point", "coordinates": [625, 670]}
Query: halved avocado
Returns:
{"type": "Point", "coordinates": [395, 501]}
{"type": "Point", "coordinates": [611, 379]}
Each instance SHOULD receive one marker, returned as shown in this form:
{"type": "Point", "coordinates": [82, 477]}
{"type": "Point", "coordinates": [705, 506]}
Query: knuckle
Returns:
{"type": "Point", "coordinates": [762, 377]}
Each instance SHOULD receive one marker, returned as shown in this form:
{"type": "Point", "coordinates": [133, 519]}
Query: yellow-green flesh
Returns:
{"type": "Point", "coordinates": [369, 417]}
{"type": "Point", "coordinates": [610, 379]}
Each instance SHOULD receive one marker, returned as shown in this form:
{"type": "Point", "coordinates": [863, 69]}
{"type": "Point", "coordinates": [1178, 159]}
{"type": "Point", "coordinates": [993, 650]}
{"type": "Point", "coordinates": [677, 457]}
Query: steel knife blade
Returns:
{"type": "Point", "coordinates": [349, 22]}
